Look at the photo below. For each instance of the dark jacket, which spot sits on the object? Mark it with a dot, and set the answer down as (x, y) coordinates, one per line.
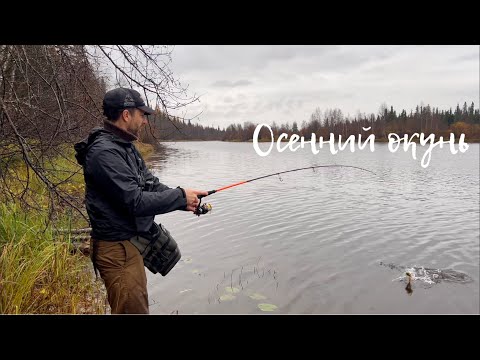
(122, 196)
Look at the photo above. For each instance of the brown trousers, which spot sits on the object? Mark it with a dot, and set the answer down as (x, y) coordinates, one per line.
(121, 268)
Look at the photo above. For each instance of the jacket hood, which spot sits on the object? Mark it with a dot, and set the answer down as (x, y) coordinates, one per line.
(117, 135)
(81, 148)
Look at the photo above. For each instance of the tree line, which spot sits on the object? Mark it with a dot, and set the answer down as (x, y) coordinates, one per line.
(423, 119)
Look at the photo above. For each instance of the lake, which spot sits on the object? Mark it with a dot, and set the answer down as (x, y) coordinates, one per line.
(330, 241)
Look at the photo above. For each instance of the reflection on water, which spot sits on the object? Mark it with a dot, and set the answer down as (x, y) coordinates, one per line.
(321, 235)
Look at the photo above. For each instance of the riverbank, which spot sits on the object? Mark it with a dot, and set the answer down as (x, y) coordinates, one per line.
(285, 140)
(377, 140)
(41, 269)
(40, 274)
(43, 264)
(145, 149)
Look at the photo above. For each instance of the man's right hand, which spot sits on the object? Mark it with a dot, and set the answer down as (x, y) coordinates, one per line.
(192, 198)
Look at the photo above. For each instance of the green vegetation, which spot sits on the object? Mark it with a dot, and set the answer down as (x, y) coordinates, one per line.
(39, 273)
(267, 307)
(145, 149)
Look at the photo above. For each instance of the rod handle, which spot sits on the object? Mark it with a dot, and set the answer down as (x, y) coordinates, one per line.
(209, 193)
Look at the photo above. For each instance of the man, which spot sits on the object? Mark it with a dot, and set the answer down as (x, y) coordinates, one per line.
(122, 198)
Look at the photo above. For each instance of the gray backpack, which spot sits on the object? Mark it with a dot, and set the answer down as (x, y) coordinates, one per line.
(159, 250)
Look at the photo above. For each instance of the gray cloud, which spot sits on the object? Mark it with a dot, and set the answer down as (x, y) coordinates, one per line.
(474, 56)
(286, 83)
(226, 83)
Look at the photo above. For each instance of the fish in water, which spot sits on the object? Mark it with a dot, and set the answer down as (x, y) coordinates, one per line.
(409, 284)
(430, 275)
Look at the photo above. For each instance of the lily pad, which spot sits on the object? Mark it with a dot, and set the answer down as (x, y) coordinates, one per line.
(232, 290)
(267, 307)
(257, 296)
(227, 297)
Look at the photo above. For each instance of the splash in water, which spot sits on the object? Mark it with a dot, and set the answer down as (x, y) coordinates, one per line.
(429, 276)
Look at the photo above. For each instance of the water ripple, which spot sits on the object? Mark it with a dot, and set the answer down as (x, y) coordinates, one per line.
(325, 232)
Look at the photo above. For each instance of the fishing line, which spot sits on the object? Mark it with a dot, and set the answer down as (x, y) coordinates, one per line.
(205, 208)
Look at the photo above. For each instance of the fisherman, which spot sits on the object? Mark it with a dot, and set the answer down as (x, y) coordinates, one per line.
(122, 199)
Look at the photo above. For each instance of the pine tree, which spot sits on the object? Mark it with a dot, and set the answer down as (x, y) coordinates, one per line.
(295, 127)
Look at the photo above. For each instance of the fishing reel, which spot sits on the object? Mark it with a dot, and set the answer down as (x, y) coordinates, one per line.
(202, 208)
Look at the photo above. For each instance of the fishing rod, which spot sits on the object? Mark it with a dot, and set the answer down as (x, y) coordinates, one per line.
(205, 208)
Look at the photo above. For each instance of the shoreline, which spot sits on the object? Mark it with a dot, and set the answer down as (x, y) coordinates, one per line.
(379, 140)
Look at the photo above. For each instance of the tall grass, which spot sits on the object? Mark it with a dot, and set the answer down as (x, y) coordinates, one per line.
(145, 149)
(39, 274)
(39, 271)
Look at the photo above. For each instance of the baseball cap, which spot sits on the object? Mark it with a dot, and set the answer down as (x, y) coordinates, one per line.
(122, 98)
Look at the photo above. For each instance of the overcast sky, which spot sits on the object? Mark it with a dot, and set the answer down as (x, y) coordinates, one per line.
(260, 83)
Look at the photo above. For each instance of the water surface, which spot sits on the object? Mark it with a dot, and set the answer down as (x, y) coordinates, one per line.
(319, 242)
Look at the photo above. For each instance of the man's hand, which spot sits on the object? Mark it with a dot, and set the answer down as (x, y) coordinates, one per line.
(192, 199)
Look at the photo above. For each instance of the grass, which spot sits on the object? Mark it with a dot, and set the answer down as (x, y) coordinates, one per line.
(39, 271)
(39, 274)
(145, 149)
